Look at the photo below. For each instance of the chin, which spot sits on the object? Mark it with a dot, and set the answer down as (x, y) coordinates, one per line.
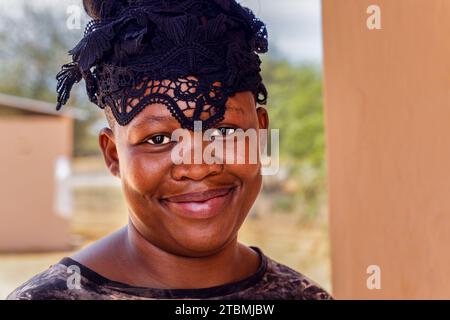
(204, 243)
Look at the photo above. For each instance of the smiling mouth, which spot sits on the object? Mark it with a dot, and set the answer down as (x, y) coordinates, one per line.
(200, 205)
(199, 196)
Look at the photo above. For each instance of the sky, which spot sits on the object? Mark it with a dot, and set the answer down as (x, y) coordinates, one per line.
(294, 26)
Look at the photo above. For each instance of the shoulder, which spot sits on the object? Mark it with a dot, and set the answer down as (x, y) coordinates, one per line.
(71, 278)
(286, 283)
(49, 284)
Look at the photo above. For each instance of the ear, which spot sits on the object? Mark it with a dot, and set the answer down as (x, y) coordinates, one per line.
(263, 118)
(263, 122)
(108, 146)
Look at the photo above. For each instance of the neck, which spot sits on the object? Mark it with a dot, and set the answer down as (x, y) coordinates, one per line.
(151, 266)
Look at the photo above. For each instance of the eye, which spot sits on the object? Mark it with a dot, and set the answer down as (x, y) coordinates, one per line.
(159, 139)
(222, 132)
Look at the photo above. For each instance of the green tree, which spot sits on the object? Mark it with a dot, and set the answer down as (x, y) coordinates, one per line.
(296, 108)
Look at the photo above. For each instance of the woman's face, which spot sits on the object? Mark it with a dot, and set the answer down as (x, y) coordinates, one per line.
(165, 199)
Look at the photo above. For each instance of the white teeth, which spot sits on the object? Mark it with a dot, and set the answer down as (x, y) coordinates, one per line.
(199, 205)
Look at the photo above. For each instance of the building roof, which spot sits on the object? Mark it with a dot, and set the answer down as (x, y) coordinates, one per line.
(37, 106)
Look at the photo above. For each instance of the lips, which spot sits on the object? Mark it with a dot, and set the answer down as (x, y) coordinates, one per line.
(200, 205)
(199, 196)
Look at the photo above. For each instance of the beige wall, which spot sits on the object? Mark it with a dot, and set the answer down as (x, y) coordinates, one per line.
(28, 148)
(387, 95)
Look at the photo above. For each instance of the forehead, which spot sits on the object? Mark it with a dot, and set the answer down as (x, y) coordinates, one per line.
(240, 108)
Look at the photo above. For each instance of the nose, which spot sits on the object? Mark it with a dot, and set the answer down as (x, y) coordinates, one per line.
(197, 170)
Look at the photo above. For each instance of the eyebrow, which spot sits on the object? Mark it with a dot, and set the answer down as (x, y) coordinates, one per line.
(151, 119)
(233, 107)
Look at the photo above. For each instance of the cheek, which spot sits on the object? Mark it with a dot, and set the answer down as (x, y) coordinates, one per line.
(250, 177)
(144, 173)
(246, 172)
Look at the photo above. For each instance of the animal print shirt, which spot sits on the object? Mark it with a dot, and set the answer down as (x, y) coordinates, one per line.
(271, 281)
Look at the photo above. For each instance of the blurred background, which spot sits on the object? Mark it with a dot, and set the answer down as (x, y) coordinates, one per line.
(55, 193)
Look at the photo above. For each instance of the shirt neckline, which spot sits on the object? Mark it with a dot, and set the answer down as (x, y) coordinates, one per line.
(200, 293)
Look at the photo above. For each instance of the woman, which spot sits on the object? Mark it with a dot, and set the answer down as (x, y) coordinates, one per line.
(157, 66)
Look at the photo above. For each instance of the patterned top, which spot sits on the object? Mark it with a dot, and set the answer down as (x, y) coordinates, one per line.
(271, 281)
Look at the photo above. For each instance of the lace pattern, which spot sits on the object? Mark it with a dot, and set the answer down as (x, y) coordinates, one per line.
(190, 55)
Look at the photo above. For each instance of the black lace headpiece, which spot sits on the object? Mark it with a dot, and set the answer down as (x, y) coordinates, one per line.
(190, 55)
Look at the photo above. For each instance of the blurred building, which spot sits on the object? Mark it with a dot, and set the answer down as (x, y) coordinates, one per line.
(35, 198)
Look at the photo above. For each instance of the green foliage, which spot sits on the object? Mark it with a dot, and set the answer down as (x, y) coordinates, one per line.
(295, 108)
